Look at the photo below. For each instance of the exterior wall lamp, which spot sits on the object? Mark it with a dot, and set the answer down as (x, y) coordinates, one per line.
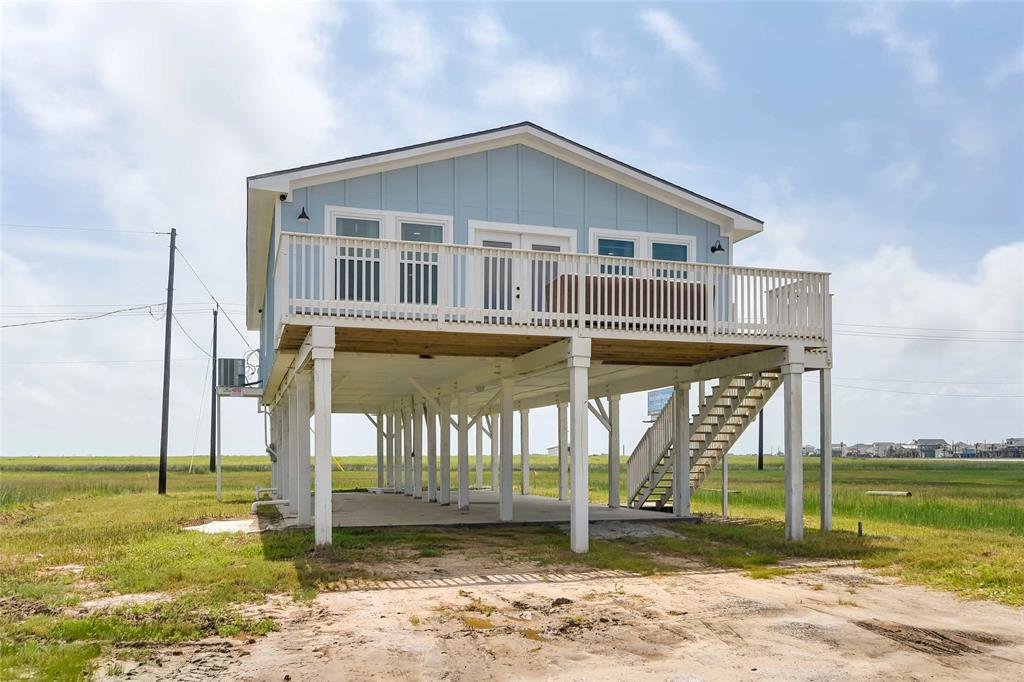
(717, 248)
(303, 216)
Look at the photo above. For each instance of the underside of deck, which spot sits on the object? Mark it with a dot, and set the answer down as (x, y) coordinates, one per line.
(375, 367)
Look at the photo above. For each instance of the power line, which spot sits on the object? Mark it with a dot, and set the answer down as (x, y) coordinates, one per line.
(91, 362)
(913, 337)
(105, 305)
(933, 381)
(21, 226)
(73, 319)
(237, 330)
(183, 331)
(934, 395)
(931, 329)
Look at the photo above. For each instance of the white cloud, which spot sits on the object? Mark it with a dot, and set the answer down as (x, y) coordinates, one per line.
(417, 52)
(879, 20)
(973, 140)
(602, 45)
(675, 38)
(904, 176)
(1010, 68)
(486, 33)
(533, 85)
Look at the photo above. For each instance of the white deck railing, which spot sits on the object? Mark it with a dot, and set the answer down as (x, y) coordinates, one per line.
(455, 286)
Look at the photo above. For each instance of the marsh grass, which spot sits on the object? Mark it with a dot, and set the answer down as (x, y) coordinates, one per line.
(962, 530)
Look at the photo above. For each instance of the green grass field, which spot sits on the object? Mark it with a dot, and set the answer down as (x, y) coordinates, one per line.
(78, 528)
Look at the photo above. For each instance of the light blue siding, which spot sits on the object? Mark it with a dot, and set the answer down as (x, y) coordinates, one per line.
(513, 184)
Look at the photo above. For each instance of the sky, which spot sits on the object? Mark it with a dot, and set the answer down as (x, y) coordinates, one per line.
(883, 143)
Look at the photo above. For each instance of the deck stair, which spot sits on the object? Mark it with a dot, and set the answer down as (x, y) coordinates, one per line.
(724, 413)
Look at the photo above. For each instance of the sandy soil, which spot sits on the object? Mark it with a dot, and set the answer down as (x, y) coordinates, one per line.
(448, 618)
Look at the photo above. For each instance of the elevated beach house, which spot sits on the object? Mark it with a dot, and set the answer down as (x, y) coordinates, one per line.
(458, 281)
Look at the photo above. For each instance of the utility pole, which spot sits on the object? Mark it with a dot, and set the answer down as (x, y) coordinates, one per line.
(165, 411)
(214, 416)
(760, 441)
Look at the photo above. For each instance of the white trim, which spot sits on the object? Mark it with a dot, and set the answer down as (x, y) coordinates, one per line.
(516, 228)
(389, 220)
(643, 241)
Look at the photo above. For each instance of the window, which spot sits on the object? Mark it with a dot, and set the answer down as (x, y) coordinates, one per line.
(357, 227)
(422, 232)
(668, 251)
(623, 248)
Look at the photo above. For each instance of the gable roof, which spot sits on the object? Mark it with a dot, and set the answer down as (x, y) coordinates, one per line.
(265, 188)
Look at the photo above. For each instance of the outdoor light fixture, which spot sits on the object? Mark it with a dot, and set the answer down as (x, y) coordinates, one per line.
(304, 218)
(717, 248)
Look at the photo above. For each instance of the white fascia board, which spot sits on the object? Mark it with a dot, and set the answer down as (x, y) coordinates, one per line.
(259, 217)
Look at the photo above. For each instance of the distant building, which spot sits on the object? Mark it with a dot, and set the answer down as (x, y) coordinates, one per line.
(839, 450)
(931, 447)
(811, 451)
(862, 450)
(883, 448)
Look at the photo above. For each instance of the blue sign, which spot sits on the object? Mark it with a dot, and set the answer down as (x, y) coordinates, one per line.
(656, 400)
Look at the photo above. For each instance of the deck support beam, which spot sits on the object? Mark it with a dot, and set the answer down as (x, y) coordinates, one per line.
(506, 451)
(524, 449)
(563, 451)
(444, 422)
(681, 451)
(285, 457)
(300, 423)
(495, 429)
(792, 386)
(431, 417)
(826, 448)
(725, 484)
(380, 449)
(323, 357)
(480, 453)
(578, 363)
(417, 449)
(400, 441)
(613, 451)
(407, 451)
(463, 456)
(389, 458)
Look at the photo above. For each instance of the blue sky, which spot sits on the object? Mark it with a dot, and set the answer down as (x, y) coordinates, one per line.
(881, 142)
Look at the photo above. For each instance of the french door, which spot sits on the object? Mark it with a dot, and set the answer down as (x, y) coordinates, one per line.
(513, 286)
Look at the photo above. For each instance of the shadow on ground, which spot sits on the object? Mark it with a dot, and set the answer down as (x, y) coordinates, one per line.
(360, 557)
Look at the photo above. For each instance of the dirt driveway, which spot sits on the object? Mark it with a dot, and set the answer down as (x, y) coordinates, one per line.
(445, 621)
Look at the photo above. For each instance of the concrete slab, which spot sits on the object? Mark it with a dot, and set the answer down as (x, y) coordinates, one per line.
(355, 510)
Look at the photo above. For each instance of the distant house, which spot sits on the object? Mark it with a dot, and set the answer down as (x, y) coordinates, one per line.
(810, 451)
(931, 447)
(883, 449)
(862, 450)
(839, 450)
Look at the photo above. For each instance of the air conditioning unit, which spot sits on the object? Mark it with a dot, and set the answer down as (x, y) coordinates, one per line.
(231, 372)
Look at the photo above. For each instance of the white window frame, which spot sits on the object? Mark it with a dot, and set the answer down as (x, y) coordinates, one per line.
(389, 221)
(517, 228)
(643, 241)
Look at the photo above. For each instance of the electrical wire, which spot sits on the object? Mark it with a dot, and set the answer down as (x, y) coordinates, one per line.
(933, 381)
(199, 418)
(930, 329)
(90, 362)
(934, 395)
(227, 316)
(21, 226)
(75, 319)
(195, 343)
